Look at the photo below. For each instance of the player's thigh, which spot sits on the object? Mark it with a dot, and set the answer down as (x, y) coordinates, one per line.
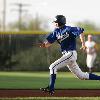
(61, 62)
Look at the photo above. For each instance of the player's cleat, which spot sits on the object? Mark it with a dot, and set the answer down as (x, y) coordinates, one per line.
(51, 92)
(45, 89)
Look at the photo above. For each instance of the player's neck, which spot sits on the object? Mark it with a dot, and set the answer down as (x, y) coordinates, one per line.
(61, 26)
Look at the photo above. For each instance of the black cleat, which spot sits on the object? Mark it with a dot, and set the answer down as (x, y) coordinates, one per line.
(45, 89)
(51, 92)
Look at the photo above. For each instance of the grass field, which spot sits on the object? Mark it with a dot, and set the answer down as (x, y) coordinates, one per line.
(35, 80)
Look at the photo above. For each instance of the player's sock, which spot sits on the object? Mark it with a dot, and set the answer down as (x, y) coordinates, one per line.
(52, 81)
(93, 77)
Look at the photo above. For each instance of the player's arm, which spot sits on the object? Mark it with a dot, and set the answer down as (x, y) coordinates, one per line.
(51, 38)
(96, 47)
(45, 44)
(82, 38)
(77, 31)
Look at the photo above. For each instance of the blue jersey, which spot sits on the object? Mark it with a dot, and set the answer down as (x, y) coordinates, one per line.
(65, 36)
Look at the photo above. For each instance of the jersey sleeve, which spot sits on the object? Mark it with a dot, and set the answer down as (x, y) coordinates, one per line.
(51, 38)
(76, 31)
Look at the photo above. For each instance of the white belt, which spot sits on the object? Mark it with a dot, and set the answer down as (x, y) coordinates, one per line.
(64, 52)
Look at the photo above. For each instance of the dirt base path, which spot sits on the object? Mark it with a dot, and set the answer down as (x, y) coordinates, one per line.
(58, 93)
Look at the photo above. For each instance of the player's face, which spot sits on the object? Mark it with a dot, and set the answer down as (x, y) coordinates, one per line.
(90, 38)
(56, 24)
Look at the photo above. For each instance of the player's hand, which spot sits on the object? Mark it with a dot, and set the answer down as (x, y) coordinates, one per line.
(39, 44)
(83, 47)
(45, 44)
(42, 45)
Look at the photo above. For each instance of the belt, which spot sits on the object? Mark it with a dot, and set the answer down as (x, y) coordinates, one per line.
(64, 52)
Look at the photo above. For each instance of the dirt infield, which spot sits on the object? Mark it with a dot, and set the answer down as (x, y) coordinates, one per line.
(58, 93)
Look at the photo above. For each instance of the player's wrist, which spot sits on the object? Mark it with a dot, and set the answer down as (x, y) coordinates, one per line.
(83, 43)
(42, 45)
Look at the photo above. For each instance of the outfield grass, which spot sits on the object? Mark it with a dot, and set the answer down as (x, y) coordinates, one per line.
(35, 80)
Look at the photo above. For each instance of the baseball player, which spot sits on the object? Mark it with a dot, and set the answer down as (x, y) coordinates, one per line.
(66, 37)
(91, 49)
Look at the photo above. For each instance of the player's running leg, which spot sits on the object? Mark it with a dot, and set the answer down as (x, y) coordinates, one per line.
(54, 67)
(50, 87)
(74, 68)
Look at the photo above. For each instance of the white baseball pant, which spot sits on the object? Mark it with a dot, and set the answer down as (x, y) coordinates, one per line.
(90, 60)
(68, 59)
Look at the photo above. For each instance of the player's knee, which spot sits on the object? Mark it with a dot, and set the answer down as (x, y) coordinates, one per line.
(51, 66)
(53, 69)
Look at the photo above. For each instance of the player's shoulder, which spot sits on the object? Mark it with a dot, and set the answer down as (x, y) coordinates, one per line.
(77, 28)
(67, 26)
(57, 30)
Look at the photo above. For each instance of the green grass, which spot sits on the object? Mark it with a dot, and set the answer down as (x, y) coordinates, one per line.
(35, 80)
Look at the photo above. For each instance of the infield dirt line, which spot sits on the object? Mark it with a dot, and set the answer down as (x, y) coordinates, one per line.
(58, 93)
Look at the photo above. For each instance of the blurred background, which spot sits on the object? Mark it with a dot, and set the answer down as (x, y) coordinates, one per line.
(25, 23)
